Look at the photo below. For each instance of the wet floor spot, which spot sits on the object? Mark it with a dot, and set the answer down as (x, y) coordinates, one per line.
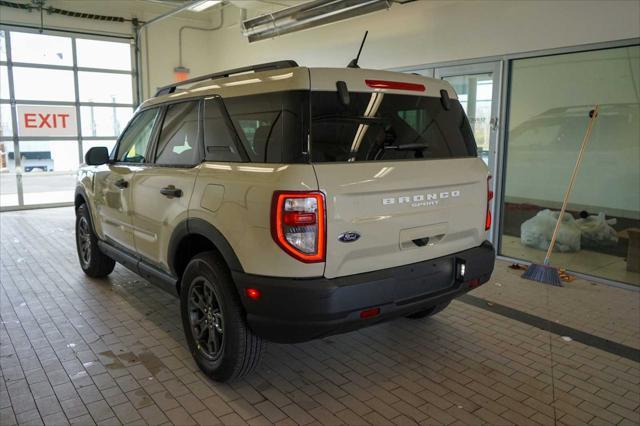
(110, 360)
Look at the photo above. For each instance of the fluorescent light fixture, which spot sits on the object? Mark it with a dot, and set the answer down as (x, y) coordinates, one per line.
(306, 15)
(199, 6)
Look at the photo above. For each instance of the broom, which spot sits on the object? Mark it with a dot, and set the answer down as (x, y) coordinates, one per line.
(546, 273)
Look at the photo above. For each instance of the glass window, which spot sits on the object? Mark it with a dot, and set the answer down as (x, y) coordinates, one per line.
(41, 49)
(6, 128)
(219, 138)
(43, 84)
(178, 143)
(550, 100)
(3, 47)
(48, 170)
(475, 92)
(104, 121)
(105, 87)
(103, 54)
(379, 126)
(4, 83)
(135, 140)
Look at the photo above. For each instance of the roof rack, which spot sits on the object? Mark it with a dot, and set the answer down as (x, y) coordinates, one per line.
(255, 68)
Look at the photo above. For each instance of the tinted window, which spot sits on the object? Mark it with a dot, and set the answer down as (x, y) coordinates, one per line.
(271, 126)
(135, 140)
(219, 136)
(380, 126)
(178, 143)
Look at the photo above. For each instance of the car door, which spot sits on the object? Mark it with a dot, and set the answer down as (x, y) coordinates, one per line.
(113, 181)
(161, 190)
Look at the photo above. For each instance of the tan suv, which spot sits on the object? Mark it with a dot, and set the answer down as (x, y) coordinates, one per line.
(288, 203)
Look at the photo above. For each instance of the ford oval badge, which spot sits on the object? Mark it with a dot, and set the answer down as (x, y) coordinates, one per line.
(348, 237)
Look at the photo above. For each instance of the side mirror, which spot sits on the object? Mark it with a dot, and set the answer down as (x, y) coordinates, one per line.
(96, 156)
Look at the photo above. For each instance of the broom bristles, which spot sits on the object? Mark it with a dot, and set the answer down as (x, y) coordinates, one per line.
(542, 273)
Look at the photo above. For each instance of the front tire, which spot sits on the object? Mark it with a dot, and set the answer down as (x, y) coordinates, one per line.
(430, 311)
(214, 322)
(92, 261)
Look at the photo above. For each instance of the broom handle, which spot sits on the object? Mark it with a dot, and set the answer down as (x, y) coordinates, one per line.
(593, 115)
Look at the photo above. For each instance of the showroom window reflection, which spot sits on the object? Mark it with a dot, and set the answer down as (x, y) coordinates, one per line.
(45, 171)
(549, 103)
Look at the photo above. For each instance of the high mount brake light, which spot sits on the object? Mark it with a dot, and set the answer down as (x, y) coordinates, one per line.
(298, 224)
(487, 221)
(396, 85)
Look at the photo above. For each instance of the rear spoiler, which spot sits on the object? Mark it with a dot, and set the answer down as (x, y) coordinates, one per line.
(165, 90)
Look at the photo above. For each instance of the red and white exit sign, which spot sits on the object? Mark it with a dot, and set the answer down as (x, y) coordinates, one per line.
(35, 120)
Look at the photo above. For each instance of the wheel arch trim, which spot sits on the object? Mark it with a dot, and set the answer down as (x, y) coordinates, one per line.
(196, 226)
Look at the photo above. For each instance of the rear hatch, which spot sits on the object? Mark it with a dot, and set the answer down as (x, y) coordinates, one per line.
(401, 177)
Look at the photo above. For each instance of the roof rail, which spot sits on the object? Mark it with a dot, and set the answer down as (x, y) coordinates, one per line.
(170, 88)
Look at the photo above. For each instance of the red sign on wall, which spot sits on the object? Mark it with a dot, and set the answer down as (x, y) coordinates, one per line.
(35, 120)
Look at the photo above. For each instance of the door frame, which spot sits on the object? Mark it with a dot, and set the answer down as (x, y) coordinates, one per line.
(496, 69)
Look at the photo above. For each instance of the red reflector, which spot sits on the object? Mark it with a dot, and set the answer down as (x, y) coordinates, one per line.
(474, 283)
(397, 85)
(299, 218)
(368, 313)
(487, 220)
(252, 293)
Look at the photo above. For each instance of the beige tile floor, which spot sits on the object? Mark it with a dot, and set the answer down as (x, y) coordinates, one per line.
(585, 261)
(84, 351)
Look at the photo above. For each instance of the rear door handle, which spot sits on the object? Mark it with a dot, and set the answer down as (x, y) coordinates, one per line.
(171, 192)
(121, 183)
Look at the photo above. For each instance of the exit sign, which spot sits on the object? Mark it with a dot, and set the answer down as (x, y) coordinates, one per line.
(36, 120)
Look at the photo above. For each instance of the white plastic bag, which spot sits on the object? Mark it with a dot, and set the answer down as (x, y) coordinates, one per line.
(597, 231)
(537, 231)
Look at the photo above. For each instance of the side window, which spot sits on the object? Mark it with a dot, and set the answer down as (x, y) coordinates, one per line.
(219, 140)
(178, 143)
(135, 140)
(257, 120)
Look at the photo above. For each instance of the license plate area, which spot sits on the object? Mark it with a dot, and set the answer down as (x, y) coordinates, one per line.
(424, 279)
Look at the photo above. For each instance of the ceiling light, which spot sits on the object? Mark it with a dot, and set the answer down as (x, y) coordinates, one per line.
(199, 6)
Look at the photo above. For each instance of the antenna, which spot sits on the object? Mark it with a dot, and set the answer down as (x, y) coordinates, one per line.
(354, 62)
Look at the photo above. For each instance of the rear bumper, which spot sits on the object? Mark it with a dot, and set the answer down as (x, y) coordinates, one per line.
(296, 310)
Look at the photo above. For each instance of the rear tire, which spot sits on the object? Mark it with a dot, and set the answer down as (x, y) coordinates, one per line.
(429, 312)
(214, 322)
(92, 261)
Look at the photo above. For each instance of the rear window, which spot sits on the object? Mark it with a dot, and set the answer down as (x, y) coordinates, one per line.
(381, 126)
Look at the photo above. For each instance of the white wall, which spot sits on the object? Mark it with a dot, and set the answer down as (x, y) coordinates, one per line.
(438, 31)
(411, 34)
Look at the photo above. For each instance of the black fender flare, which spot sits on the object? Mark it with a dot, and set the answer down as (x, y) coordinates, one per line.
(82, 193)
(201, 227)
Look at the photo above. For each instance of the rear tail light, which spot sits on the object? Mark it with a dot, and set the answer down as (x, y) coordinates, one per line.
(487, 221)
(298, 224)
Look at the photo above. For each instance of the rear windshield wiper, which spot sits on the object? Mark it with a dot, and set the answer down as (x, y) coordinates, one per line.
(407, 147)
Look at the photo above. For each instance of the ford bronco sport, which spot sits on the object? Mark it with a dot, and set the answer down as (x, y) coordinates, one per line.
(287, 203)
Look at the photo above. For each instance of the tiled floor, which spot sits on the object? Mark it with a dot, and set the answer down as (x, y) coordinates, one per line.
(585, 261)
(112, 351)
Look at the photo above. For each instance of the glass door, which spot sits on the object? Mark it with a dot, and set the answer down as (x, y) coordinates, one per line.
(478, 89)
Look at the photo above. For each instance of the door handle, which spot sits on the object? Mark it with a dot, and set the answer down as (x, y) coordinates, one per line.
(121, 183)
(171, 192)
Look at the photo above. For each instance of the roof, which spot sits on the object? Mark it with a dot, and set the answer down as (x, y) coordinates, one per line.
(229, 84)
